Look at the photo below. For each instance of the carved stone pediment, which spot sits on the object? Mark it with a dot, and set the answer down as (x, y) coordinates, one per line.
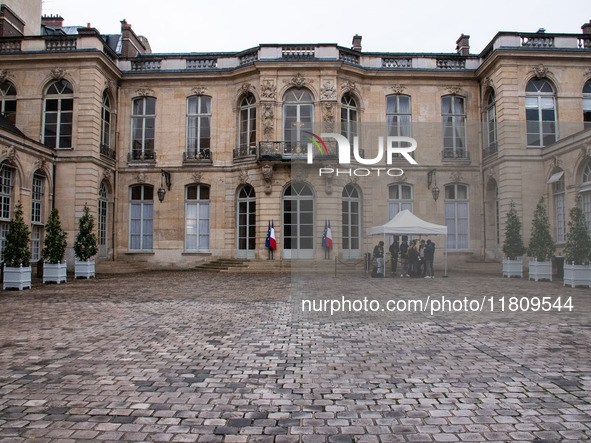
(328, 90)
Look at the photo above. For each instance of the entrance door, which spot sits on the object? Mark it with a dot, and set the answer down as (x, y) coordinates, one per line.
(298, 221)
(246, 222)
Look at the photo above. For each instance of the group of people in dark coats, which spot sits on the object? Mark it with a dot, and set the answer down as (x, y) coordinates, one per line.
(415, 258)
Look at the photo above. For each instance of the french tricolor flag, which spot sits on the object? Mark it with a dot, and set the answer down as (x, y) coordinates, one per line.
(327, 236)
(272, 240)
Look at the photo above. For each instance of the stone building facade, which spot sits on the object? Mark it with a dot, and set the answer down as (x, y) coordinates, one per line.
(189, 157)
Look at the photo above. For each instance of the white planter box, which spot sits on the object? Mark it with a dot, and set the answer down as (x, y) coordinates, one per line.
(84, 269)
(512, 268)
(540, 270)
(54, 272)
(19, 278)
(577, 275)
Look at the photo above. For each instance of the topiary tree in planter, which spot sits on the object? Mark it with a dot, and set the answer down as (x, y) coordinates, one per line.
(578, 244)
(54, 249)
(85, 245)
(513, 246)
(16, 253)
(541, 244)
(577, 249)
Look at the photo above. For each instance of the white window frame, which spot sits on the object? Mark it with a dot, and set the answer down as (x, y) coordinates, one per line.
(61, 127)
(142, 121)
(146, 243)
(395, 205)
(537, 100)
(197, 228)
(453, 217)
(247, 125)
(349, 117)
(457, 127)
(196, 124)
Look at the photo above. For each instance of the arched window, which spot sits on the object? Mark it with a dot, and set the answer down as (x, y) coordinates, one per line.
(399, 198)
(247, 126)
(141, 217)
(453, 118)
(298, 221)
(198, 127)
(105, 124)
(559, 194)
(246, 223)
(586, 194)
(197, 218)
(349, 117)
(37, 193)
(587, 104)
(457, 216)
(59, 106)
(7, 174)
(491, 123)
(103, 217)
(143, 121)
(540, 113)
(8, 101)
(298, 118)
(351, 221)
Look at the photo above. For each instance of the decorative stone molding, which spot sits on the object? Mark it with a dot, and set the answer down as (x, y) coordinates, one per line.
(487, 83)
(349, 86)
(57, 73)
(10, 153)
(352, 180)
(400, 179)
(268, 90)
(540, 71)
(107, 174)
(40, 164)
(110, 86)
(299, 174)
(329, 178)
(267, 171)
(398, 89)
(3, 75)
(328, 90)
(199, 90)
(243, 176)
(144, 91)
(297, 81)
(268, 120)
(454, 90)
(456, 177)
(556, 162)
(141, 178)
(246, 88)
(328, 116)
(197, 177)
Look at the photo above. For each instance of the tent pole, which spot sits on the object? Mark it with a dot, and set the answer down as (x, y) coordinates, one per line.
(384, 255)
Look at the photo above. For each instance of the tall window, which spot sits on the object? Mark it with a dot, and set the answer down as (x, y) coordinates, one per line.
(59, 106)
(246, 222)
(456, 217)
(6, 188)
(248, 125)
(298, 118)
(453, 118)
(587, 104)
(8, 101)
(349, 118)
(36, 216)
(298, 221)
(143, 120)
(491, 122)
(199, 127)
(105, 123)
(141, 217)
(540, 113)
(586, 194)
(197, 218)
(399, 198)
(558, 190)
(351, 221)
(103, 216)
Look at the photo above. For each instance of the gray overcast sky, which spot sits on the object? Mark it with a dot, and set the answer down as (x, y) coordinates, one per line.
(386, 26)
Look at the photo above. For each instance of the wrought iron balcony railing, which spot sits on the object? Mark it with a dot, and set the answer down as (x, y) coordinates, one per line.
(197, 155)
(141, 156)
(289, 150)
(107, 151)
(455, 154)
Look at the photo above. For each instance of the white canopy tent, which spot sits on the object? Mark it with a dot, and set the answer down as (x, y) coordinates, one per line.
(406, 223)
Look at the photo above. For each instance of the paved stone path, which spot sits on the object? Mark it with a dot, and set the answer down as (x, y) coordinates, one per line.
(184, 357)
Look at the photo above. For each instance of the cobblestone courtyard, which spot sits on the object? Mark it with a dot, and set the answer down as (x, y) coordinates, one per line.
(185, 356)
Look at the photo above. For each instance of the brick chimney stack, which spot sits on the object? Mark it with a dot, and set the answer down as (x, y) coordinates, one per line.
(586, 28)
(53, 21)
(463, 45)
(356, 42)
(131, 44)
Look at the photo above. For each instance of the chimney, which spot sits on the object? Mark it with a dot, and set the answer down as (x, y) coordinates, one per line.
(586, 28)
(131, 44)
(53, 21)
(356, 43)
(587, 33)
(463, 45)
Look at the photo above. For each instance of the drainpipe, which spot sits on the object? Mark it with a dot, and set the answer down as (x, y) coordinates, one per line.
(53, 186)
(116, 182)
(481, 169)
